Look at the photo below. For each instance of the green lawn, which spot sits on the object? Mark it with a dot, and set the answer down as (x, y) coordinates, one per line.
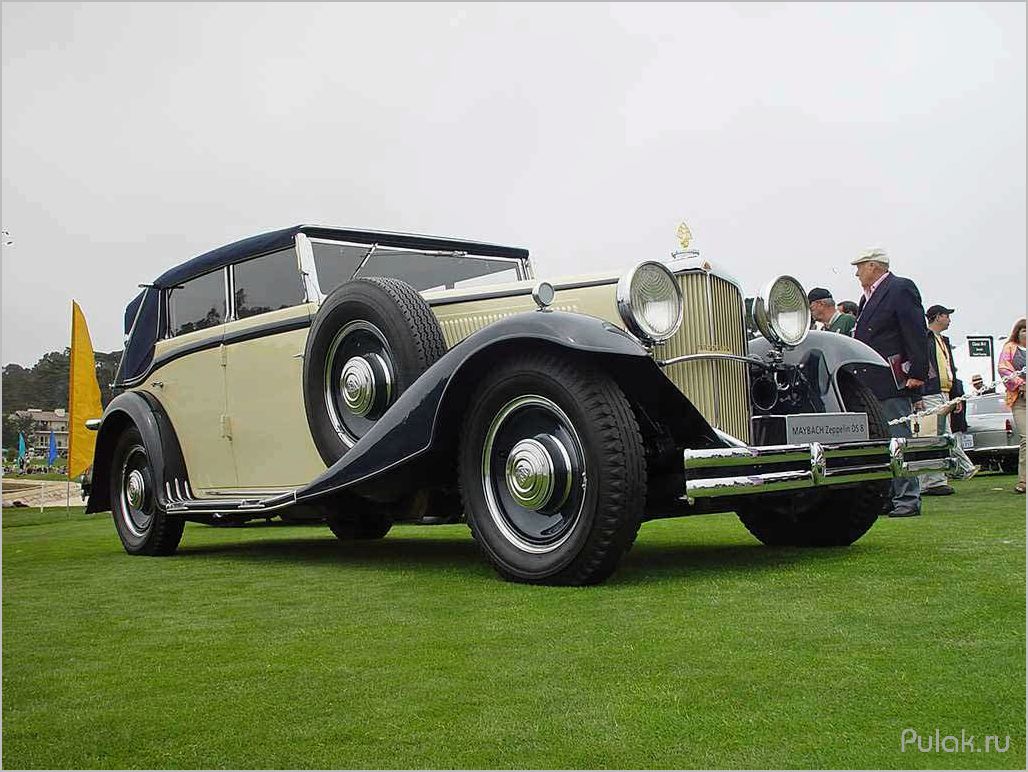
(280, 647)
(52, 476)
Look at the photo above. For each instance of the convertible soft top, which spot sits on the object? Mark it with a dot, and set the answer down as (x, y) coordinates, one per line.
(276, 240)
(144, 314)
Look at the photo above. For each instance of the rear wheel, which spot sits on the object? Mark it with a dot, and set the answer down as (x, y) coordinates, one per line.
(826, 518)
(552, 471)
(364, 527)
(143, 527)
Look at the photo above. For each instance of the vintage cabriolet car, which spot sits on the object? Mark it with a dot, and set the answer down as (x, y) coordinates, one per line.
(359, 378)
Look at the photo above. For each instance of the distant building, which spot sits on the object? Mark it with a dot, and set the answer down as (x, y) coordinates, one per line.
(46, 421)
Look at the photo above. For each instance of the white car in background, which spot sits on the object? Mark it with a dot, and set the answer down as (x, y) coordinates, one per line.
(992, 438)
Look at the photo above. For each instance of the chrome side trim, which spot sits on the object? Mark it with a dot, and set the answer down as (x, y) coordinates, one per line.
(879, 460)
(230, 295)
(244, 493)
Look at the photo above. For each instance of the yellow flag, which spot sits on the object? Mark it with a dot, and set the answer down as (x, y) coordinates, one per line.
(83, 396)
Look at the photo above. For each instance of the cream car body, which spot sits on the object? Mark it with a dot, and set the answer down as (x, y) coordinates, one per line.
(225, 424)
(269, 377)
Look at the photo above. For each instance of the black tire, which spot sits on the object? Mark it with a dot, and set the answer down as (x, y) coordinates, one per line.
(143, 527)
(389, 320)
(363, 527)
(1008, 464)
(829, 518)
(579, 533)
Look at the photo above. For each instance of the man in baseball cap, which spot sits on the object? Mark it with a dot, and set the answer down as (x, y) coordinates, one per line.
(934, 312)
(941, 386)
(822, 309)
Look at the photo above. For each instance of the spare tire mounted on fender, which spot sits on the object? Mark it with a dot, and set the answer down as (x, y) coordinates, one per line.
(371, 339)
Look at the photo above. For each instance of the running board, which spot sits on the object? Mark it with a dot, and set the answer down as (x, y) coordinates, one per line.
(179, 499)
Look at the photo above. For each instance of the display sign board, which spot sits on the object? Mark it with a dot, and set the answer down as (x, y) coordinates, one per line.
(826, 427)
(979, 347)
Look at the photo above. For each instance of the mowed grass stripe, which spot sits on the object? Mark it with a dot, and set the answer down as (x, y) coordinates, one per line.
(279, 646)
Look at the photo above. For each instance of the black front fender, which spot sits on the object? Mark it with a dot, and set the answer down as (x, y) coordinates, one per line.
(825, 353)
(431, 408)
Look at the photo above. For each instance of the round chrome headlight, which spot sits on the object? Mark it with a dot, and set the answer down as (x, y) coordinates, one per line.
(782, 313)
(650, 302)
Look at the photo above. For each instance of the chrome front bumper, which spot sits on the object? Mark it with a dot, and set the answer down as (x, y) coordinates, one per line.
(747, 470)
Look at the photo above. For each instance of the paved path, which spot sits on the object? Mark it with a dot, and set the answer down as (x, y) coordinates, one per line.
(54, 493)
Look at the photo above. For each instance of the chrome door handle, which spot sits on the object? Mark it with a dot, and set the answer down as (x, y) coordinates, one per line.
(158, 384)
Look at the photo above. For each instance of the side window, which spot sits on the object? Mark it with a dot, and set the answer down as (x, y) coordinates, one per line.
(267, 284)
(198, 304)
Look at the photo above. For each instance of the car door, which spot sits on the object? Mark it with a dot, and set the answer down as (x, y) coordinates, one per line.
(264, 342)
(189, 379)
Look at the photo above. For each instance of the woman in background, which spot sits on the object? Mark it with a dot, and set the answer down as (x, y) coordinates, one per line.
(1011, 370)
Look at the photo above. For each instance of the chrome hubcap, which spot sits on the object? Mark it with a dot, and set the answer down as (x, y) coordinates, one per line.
(136, 506)
(358, 380)
(135, 489)
(357, 384)
(530, 474)
(533, 474)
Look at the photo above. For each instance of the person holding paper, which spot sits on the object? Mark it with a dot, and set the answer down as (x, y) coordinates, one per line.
(891, 321)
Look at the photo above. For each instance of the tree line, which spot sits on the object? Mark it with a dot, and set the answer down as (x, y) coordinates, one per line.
(45, 386)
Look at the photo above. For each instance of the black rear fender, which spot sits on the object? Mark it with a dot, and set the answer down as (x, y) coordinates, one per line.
(139, 409)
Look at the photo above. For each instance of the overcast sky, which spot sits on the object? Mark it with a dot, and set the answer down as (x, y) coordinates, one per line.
(789, 137)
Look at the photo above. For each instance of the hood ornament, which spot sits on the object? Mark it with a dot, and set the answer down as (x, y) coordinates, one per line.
(684, 235)
(685, 239)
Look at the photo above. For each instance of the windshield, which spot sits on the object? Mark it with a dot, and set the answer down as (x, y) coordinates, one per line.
(338, 263)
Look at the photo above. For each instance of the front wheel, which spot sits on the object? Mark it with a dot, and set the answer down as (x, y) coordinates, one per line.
(143, 527)
(824, 518)
(552, 471)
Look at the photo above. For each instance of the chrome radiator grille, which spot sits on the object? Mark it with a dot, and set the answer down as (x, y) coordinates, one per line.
(712, 324)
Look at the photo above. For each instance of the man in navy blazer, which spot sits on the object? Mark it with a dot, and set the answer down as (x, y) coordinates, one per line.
(892, 322)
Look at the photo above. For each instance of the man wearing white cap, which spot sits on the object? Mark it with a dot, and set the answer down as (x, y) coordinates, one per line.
(892, 322)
